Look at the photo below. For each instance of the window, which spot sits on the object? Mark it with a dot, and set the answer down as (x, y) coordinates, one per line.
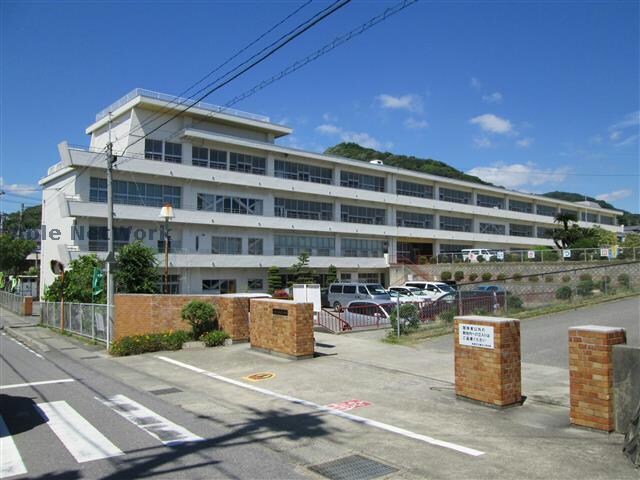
(544, 232)
(218, 159)
(455, 224)
(255, 284)
(518, 230)
(218, 286)
(366, 215)
(356, 247)
(369, 277)
(589, 217)
(173, 245)
(173, 283)
(224, 204)
(302, 172)
(607, 220)
(226, 245)
(489, 201)
(172, 152)
(493, 228)
(290, 208)
(546, 210)
(569, 212)
(132, 193)
(453, 248)
(255, 246)
(295, 245)
(240, 162)
(410, 189)
(152, 149)
(414, 220)
(361, 181)
(99, 239)
(200, 156)
(455, 196)
(518, 206)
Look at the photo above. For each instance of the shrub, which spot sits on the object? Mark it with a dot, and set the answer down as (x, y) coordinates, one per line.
(444, 258)
(566, 278)
(605, 284)
(458, 275)
(564, 293)
(534, 278)
(214, 338)
(153, 342)
(480, 258)
(445, 276)
(447, 316)
(433, 260)
(584, 288)
(202, 317)
(410, 319)
(517, 277)
(501, 276)
(624, 280)
(514, 303)
(486, 276)
(473, 276)
(549, 279)
(585, 277)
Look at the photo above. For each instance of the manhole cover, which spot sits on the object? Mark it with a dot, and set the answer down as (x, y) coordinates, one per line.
(256, 377)
(354, 467)
(165, 391)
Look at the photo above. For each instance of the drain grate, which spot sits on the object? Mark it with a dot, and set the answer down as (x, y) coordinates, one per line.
(354, 467)
(165, 391)
(91, 357)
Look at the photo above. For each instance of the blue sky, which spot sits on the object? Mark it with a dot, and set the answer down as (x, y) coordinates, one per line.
(535, 96)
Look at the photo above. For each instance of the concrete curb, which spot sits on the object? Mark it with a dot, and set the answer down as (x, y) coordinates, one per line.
(27, 339)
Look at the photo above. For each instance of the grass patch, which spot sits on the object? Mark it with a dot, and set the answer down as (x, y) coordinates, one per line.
(423, 332)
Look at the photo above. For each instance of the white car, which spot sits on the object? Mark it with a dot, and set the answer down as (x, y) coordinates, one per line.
(409, 294)
(433, 290)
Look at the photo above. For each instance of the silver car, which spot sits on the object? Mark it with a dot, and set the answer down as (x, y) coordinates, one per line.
(341, 294)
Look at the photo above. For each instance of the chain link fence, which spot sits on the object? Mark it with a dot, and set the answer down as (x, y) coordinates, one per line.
(11, 302)
(88, 320)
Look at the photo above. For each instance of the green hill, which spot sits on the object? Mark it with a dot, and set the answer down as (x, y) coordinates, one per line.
(627, 218)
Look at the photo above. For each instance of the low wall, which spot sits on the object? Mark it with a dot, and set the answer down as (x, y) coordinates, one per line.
(626, 385)
(283, 327)
(137, 314)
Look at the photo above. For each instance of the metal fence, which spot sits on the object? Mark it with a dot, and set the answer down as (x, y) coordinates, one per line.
(88, 320)
(11, 302)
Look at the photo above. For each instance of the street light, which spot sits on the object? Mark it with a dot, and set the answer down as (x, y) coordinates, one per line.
(166, 213)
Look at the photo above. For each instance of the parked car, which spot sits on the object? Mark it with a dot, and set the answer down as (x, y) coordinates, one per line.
(472, 254)
(404, 298)
(341, 294)
(433, 290)
(362, 313)
(324, 298)
(409, 294)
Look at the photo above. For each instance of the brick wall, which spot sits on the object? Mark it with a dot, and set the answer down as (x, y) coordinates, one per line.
(282, 326)
(140, 314)
(489, 375)
(591, 375)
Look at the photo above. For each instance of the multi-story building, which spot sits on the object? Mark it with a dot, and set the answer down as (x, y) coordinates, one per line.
(243, 203)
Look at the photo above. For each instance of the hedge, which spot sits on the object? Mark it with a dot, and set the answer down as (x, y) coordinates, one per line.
(152, 342)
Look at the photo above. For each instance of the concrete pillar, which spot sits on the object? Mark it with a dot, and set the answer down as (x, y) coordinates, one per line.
(487, 360)
(591, 375)
(27, 306)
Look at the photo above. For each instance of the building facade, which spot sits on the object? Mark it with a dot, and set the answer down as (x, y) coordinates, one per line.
(243, 203)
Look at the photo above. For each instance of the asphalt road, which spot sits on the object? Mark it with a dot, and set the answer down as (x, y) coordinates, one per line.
(91, 426)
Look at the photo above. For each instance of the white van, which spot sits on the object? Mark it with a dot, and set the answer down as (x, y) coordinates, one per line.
(472, 254)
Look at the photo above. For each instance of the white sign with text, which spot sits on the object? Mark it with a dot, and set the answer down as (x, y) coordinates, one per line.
(475, 335)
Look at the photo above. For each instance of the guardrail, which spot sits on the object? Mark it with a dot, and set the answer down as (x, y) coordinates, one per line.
(88, 320)
(16, 303)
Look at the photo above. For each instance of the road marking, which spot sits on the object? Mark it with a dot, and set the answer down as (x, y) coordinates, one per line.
(349, 405)
(155, 425)
(332, 411)
(24, 346)
(33, 384)
(84, 442)
(10, 460)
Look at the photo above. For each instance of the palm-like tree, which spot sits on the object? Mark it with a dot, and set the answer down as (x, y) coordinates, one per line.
(569, 232)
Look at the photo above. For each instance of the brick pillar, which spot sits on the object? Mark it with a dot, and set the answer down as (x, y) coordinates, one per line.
(591, 375)
(487, 360)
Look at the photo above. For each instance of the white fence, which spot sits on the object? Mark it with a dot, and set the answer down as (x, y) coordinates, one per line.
(11, 302)
(85, 319)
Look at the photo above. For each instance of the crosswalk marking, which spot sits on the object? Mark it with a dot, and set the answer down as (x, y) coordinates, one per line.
(10, 459)
(84, 442)
(155, 425)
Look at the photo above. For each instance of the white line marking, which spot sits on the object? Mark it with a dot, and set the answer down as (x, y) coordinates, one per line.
(45, 382)
(155, 425)
(10, 460)
(322, 408)
(81, 438)
(25, 347)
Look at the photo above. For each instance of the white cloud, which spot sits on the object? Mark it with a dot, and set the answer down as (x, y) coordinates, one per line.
(492, 123)
(327, 117)
(415, 124)
(495, 97)
(615, 135)
(410, 102)
(482, 141)
(630, 120)
(518, 174)
(20, 189)
(615, 195)
(475, 83)
(524, 142)
(627, 141)
(328, 129)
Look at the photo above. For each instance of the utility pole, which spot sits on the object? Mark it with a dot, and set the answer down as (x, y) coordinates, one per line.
(20, 222)
(111, 159)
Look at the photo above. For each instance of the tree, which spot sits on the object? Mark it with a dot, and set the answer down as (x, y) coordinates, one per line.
(77, 282)
(301, 270)
(631, 240)
(570, 232)
(136, 269)
(13, 253)
(274, 280)
(332, 275)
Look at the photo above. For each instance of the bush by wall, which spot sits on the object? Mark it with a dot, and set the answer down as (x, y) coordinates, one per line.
(585, 288)
(153, 342)
(517, 277)
(446, 276)
(584, 277)
(458, 275)
(624, 280)
(486, 276)
(514, 303)
(501, 276)
(473, 276)
(549, 279)
(202, 317)
(214, 338)
(534, 278)
(410, 319)
(566, 278)
(564, 293)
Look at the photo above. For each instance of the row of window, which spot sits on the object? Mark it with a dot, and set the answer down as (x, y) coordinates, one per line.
(135, 193)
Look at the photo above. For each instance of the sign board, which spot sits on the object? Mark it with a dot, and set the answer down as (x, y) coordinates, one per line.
(604, 252)
(475, 335)
(566, 253)
(531, 254)
(308, 294)
(500, 255)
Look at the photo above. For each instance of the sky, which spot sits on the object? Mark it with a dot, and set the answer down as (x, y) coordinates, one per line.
(533, 96)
